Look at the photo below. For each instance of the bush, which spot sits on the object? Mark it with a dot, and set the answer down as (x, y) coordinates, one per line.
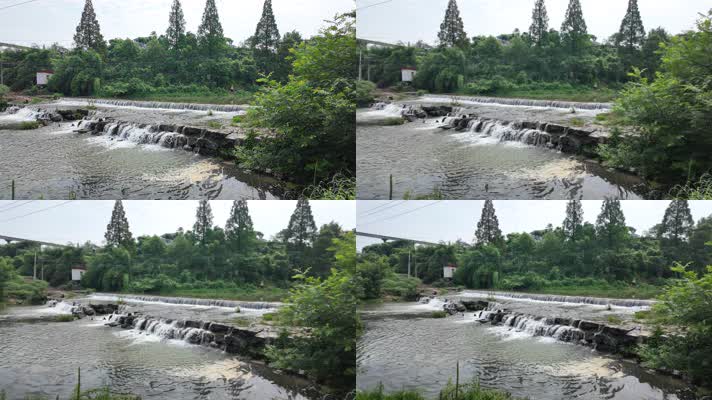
(364, 93)
(438, 314)
(401, 286)
(29, 125)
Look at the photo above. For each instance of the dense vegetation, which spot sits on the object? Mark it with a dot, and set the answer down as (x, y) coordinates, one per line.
(208, 261)
(452, 391)
(666, 117)
(16, 289)
(543, 62)
(303, 88)
(607, 258)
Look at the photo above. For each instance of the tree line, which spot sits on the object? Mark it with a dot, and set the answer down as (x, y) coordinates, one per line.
(206, 257)
(176, 61)
(575, 254)
(541, 58)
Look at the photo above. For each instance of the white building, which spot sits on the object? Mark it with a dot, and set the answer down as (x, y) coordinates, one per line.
(408, 74)
(43, 77)
(77, 273)
(449, 271)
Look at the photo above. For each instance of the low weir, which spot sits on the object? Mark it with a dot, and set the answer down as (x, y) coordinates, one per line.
(519, 102)
(231, 108)
(600, 301)
(187, 301)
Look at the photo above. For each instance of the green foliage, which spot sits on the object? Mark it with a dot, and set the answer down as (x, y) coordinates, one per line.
(64, 318)
(452, 31)
(438, 314)
(669, 117)
(686, 305)
(488, 231)
(452, 391)
(29, 125)
(339, 188)
(364, 93)
(117, 232)
(18, 289)
(78, 74)
(327, 308)
(88, 34)
(400, 286)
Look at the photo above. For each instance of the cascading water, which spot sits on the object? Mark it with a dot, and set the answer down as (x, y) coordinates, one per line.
(479, 129)
(228, 108)
(137, 133)
(188, 301)
(516, 102)
(600, 301)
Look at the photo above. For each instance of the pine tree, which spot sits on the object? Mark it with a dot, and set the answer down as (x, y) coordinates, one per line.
(176, 24)
(210, 31)
(574, 28)
(88, 34)
(632, 33)
(267, 34)
(452, 30)
(239, 229)
(540, 23)
(488, 231)
(300, 233)
(610, 223)
(117, 232)
(203, 222)
(677, 223)
(574, 219)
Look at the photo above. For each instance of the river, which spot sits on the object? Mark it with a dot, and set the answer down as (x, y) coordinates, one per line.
(494, 161)
(41, 357)
(403, 349)
(134, 162)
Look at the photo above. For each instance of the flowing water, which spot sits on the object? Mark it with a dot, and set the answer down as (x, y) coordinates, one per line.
(526, 357)
(42, 357)
(128, 160)
(490, 159)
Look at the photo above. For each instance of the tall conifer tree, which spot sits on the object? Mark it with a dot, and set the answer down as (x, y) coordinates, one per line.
(677, 223)
(610, 224)
(176, 24)
(573, 29)
(452, 30)
(540, 23)
(117, 232)
(488, 231)
(88, 34)
(210, 31)
(239, 228)
(300, 233)
(203, 221)
(574, 219)
(632, 33)
(267, 35)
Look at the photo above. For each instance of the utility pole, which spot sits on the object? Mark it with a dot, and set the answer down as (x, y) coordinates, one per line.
(34, 269)
(408, 263)
(360, 63)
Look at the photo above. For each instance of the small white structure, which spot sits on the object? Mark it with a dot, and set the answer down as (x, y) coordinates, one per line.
(77, 273)
(43, 77)
(408, 74)
(449, 271)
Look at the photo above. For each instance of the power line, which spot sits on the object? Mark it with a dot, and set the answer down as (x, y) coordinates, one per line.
(18, 4)
(402, 214)
(386, 205)
(373, 5)
(13, 205)
(37, 212)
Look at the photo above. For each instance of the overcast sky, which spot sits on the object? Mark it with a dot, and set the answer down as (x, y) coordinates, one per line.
(49, 21)
(81, 221)
(435, 221)
(413, 20)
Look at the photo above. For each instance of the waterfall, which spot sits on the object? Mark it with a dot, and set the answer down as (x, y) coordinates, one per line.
(517, 102)
(136, 133)
(172, 330)
(261, 306)
(61, 307)
(501, 132)
(228, 108)
(599, 301)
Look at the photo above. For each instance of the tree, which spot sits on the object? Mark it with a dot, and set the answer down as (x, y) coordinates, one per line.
(574, 219)
(267, 34)
(203, 222)
(677, 223)
(632, 32)
(176, 25)
(210, 31)
(452, 30)
(117, 232)
(488, 231)
(540, 23)
(239, 229)
(301, 232)
(88, 34)
(573, 29)
(610, 224)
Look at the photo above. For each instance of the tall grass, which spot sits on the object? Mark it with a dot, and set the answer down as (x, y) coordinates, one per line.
(700, 190)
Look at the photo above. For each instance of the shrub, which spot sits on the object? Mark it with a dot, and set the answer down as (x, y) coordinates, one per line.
(29, 125)
(364, 93)
(438, 314)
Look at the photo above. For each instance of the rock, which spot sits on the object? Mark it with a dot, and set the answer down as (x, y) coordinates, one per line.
(474, 305)
(218, 328)
(193, 324)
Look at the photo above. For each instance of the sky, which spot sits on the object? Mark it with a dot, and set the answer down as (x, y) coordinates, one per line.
(448, 221)
(63, 222)
(48, 21)
(413, 20)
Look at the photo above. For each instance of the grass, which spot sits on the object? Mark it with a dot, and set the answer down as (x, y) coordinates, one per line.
(214, 125)
(64, 318)
(241, 321)
(264, 294)
(237, 120)
(699, 190)
(613, 319)
(577, 122)
(340, 187)
(438, 314)
(472, 391)
(29, 125)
